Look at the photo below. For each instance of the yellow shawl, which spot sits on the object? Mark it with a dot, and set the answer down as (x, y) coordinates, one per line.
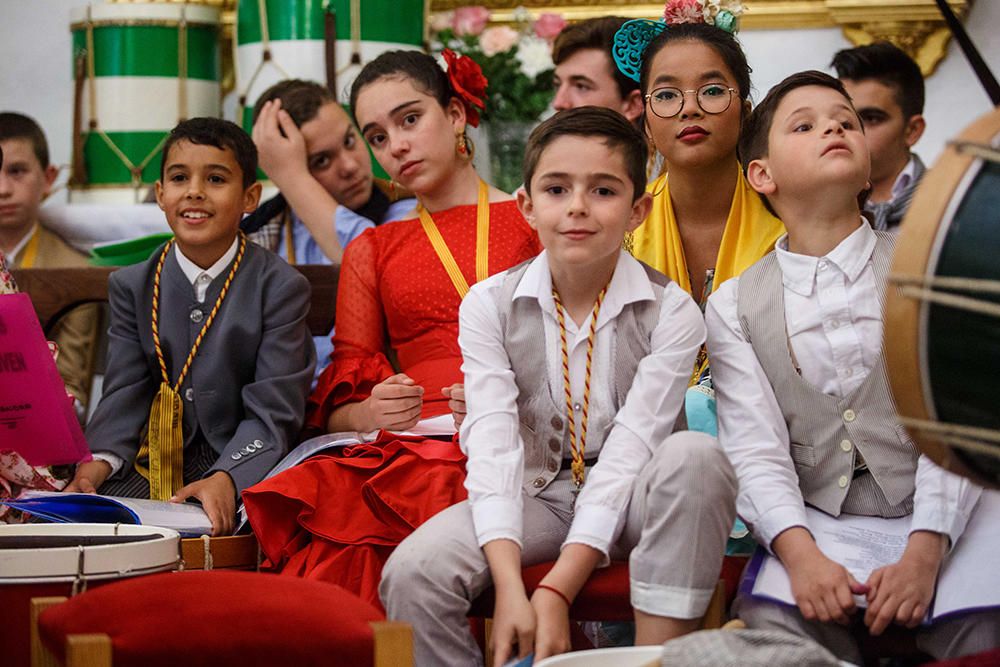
(749, 235)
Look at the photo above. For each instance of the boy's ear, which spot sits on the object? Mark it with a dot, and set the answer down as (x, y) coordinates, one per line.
(915, 127)
(526, 207)
(632, 105)
(51, 174)
(759, 177)
(158, 189)
(640, 209)
(251, 197)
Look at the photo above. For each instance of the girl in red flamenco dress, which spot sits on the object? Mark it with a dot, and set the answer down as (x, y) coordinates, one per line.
(337, 516)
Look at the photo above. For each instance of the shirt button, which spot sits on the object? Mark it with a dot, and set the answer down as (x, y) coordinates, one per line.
(555, 445)
(576, 407)
(258, 443)
(847, 372)
(821, 266)
(197, 316)
(189, 394)
(552, 466)
(538, 483)
(557, 423)
(849, 416)
(236, 456)
(842, 482)
(834, 324)
(846, 445)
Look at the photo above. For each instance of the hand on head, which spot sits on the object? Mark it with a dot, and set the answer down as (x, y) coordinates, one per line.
(280, 145)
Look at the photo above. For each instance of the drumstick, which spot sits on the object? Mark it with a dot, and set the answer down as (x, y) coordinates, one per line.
(979, 65)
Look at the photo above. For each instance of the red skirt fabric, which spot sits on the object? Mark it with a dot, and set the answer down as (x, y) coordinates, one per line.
(336, 518)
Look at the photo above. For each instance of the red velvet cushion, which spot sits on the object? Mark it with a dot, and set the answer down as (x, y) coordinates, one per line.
(213, 618)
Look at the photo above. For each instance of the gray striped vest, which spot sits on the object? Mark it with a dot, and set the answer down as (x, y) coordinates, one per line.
(828, 433)
(542, 416)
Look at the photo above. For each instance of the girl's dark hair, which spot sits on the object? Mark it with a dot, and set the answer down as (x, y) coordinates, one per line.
(722, 42)
(420, 68)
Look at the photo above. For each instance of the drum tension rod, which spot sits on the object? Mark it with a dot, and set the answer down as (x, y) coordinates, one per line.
(981, 151)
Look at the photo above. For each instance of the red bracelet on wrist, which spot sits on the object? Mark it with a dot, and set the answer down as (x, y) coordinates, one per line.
(557, 592)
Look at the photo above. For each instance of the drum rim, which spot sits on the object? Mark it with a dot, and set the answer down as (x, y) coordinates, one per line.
(121, 14)
(917, 250)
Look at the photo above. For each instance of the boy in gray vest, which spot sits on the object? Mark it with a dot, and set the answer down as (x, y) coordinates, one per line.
(805, 412)
(575, 364)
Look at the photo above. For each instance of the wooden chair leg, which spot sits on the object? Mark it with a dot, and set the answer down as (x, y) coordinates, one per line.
(715, 615)
(40, 655)
(393, 644)
(91, 650)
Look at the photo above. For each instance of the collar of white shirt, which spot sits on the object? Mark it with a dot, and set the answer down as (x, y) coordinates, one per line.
(905, 177)
(192, 271)
(11, 256)
(798, 272)
(629, 284)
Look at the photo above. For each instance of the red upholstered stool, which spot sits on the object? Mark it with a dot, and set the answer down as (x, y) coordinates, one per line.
(218, 618)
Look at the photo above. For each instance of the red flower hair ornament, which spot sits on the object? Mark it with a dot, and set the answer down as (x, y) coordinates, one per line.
(467, 80)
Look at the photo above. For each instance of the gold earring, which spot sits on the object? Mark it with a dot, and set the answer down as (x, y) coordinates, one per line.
(464, 146)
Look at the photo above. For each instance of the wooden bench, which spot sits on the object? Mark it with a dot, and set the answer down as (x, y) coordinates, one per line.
(54, 292)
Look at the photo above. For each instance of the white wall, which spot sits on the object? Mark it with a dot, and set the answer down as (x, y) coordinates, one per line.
(35, 68)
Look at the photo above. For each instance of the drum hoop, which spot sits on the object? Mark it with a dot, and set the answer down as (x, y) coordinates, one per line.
(917, 249)
(133, 23)
(92, 576)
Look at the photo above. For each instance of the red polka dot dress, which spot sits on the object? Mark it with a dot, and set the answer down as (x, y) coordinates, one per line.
(337, 517)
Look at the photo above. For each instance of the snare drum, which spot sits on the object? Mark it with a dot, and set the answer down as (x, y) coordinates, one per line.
(942, 319)
(41, 560)
(139, 69)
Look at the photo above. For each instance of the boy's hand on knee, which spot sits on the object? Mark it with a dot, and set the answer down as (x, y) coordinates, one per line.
(514, 623)
(88, 477)
(217, 494)
(552, 635)
(902, 592)
(456, 402)
(394, 404)
(823, 589)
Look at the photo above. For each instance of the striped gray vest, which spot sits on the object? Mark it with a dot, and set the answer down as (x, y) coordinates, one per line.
(827, 433)
(542, 416)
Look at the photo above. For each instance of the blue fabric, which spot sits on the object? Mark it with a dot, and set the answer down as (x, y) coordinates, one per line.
(350, 225)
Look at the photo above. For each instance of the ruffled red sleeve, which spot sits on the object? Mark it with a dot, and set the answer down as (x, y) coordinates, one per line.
(358, 362)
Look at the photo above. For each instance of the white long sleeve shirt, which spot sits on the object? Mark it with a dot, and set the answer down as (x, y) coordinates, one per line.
(833, 318)
(490, 433)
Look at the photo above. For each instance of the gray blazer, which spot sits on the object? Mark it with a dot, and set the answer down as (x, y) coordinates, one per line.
(246, 391)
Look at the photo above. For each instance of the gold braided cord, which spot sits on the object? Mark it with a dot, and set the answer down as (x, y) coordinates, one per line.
(482, 242)
(578, 449)
(164, 446)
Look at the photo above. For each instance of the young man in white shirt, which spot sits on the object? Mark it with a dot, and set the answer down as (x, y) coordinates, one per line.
(805, 413)
(887, 89)
(575, 364)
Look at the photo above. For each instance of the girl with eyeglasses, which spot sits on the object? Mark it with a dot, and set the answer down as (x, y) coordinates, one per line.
(706, 224)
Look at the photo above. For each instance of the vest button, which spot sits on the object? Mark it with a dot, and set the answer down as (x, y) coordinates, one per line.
(557, 423)
(849, 416)
(538, 483)
(845, 445)
(552, 466)
(842, 482)
(197, 316)
(189, 394)
(555, 445)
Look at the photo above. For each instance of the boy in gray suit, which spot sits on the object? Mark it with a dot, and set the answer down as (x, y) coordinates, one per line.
(805, 412)
(209, 360)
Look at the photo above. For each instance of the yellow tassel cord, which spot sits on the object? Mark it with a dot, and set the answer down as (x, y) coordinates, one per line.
(164, 446)
(482, 242)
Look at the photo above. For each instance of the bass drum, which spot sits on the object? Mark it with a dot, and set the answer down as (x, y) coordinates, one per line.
(44, 560)
(942, 319)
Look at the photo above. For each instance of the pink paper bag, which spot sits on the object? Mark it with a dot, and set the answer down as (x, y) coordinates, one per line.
(37, 419)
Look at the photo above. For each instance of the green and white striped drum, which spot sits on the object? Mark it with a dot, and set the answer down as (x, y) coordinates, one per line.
(139, 69)
(942, 311)
(286, 39)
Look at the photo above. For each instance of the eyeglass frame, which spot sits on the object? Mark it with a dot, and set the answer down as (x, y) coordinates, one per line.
(647, 97)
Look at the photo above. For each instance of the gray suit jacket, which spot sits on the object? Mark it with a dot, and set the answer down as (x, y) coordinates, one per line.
(246, 391)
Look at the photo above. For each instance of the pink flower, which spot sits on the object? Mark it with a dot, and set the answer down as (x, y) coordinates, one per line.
(683, 11)
(470, 20)
(549, 25)
(441, 21)
(498, 39)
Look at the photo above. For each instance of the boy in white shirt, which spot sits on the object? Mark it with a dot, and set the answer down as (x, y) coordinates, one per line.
(575, 368)
(805, 412)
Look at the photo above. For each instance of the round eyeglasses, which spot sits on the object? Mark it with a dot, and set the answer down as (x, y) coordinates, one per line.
(668, 102)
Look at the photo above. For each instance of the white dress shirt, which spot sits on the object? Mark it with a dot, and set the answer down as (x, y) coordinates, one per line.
(490, 433)
(834, 323)
(200, 279)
